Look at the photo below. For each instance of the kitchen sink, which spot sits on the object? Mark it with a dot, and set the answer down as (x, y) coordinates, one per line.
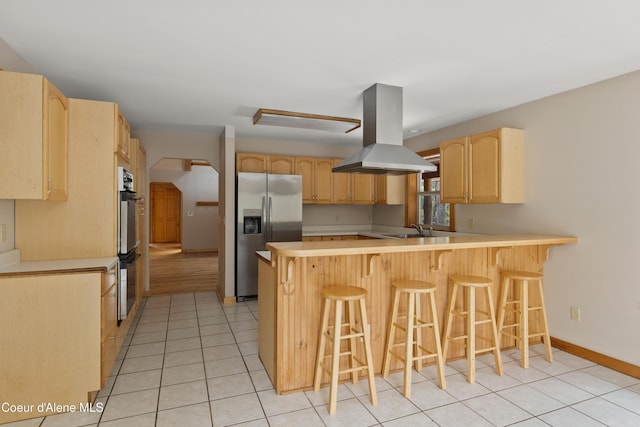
(402, 236)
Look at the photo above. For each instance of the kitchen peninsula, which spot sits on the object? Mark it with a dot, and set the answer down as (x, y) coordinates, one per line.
(291, 275)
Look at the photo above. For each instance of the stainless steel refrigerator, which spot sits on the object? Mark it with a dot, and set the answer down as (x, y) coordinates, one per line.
(268, 209)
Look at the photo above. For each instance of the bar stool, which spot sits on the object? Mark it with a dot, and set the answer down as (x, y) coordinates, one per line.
(340, 295)
(521, 308)
(412, 346)
(469, 312)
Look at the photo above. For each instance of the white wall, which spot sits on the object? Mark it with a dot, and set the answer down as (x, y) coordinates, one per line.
(199, 223)
(227, 253)
(582, 177)
(290, 148)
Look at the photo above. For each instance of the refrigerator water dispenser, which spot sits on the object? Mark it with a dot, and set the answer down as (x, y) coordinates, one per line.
(252, 220)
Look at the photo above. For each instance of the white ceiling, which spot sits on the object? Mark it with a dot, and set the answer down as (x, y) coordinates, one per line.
(197, 65)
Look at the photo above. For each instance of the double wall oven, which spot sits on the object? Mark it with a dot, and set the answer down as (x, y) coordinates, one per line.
(127, 244)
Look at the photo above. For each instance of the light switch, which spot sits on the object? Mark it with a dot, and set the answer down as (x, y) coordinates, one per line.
(3, 232)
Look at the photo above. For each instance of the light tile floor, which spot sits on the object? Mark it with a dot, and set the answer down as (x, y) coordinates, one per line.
(190, 361)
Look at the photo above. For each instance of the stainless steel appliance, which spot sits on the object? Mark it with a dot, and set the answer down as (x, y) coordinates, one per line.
(383, 152)
(268, 209)
(127, 244)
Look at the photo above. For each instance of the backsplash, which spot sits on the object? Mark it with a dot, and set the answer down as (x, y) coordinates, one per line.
(337, 215)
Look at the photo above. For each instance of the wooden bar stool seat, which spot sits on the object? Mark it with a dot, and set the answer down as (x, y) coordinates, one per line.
(338, 295)
(411, 350)
(519, 306)
(469, 313)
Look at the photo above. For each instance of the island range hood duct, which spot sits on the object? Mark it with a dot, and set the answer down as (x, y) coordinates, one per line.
(383, 152)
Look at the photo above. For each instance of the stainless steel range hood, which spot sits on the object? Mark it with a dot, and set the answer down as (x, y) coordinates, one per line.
(383, 152)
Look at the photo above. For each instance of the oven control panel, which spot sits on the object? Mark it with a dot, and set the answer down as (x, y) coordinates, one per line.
(125, 180)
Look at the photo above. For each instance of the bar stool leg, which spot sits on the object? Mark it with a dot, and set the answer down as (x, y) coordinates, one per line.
(504, 294)
(471, 335)
(352, 342)
(436, 337)
(391, 331)
(545, 325)
(326, 307)
(520, 306)
(524, 323)
(335, 360)
(447, 329)
(367, 350)
(494, 333)
(418, 337)
(408, 354)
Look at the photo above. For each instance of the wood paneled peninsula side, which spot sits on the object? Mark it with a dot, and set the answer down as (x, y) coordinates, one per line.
(290, 280)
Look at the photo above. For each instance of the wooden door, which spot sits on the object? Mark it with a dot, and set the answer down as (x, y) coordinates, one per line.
(323, 180)
(166, 212)
(57, 109)
(453, 171)
(251, 162)
(304, 167)
(362, 189)
(341, 186)
(484, 152)
(280, 164)
(123, 131)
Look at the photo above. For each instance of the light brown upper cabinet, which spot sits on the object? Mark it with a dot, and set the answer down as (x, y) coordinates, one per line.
(265, 163)
(284, 165)
(251, 162)
(342, 184)
(93, 196)
(363, 189)
(321, 186)
(483, 168)
(34, 138)
(123, 138)
(389, 190)
(317, 179)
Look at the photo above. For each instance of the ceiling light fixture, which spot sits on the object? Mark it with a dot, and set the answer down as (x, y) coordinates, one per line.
(304, 121)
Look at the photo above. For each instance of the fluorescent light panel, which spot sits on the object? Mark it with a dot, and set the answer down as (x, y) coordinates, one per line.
(304, 121)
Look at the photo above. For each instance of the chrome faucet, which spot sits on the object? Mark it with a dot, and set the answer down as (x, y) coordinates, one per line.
(422, 231)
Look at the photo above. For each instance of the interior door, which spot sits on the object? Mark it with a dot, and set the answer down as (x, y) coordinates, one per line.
(166, 213)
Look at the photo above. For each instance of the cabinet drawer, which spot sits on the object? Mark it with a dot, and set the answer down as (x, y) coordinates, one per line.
(109, 322)
(109, 279)
(109, 351)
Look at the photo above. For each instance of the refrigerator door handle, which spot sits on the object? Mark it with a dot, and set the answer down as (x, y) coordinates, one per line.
(265, 221)
(270, 219)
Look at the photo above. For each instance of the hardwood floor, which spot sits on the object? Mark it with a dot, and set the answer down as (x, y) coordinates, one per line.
(173, 271)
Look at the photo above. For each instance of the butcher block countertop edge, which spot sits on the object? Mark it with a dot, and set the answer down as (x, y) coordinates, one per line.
(63, 266)
(380, 246)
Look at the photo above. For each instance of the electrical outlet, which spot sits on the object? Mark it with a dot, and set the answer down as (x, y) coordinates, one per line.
(471, 222)
(575, 313)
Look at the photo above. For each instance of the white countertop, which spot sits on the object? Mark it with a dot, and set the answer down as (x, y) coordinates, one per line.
(265, 255)
(54, 266)
(379, 232)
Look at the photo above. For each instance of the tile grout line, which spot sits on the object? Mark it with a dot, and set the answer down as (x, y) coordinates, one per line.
(227, 314)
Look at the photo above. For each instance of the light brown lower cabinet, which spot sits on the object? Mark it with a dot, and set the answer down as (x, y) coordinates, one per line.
(267, 317)
(111, 338)
(330, 237)
(59, 340)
